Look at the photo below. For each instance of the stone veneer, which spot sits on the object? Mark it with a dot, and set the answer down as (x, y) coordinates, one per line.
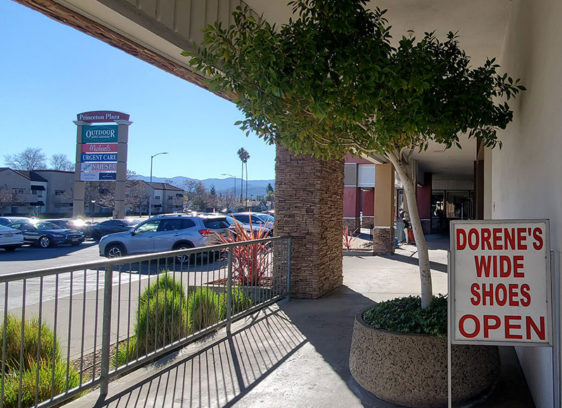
(309, 208)
(352, 223)
(383, 240)
(367, 221)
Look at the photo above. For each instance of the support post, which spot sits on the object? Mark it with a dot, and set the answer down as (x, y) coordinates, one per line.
(106, 329)
(229, 292)
(383, 232)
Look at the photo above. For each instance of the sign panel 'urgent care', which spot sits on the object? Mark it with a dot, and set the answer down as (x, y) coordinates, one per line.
(500, 282)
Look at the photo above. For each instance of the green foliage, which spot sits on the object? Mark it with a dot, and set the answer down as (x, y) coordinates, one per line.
(161, 319)
(164, 282)
(404, 315)
(46, 383)
(240, 301)
(205, 308)
(330, 82)
(32, 342)
(165, 315)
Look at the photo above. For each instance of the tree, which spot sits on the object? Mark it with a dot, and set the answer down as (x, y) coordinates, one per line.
(138, 193)
(330, 82)
(6, 198)
(60, 162)
(244, 156)
(269, 193)
(197, 195)
(30, 159)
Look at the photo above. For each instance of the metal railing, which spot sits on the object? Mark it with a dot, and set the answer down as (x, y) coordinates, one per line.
(65, 330)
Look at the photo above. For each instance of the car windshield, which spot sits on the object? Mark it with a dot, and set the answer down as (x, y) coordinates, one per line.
(243, 218)
(265, 218)
(216, 223)
(47, 226)
(149, 226)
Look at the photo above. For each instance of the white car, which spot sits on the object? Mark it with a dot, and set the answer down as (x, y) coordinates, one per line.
(10, 238)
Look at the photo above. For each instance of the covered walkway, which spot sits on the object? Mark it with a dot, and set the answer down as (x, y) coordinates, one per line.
(295, 354)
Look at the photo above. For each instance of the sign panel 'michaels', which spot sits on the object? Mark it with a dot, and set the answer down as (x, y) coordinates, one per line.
(500, 282)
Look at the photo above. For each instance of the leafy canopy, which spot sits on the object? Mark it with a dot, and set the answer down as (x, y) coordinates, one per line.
(330, 82)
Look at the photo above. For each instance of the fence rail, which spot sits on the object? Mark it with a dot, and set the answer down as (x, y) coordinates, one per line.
(65, 330)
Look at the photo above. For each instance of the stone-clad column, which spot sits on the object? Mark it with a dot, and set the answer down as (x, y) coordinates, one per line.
(309, 208)
(383, 232)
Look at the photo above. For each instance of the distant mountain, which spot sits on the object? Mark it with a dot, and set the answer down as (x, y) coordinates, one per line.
(226, 185)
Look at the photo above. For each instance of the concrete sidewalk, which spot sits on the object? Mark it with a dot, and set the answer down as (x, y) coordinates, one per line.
(294, 354)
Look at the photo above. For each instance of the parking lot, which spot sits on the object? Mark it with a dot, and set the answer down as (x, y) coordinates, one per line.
(30, 258)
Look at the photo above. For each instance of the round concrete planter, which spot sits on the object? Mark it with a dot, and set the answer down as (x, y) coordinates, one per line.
(411, 369)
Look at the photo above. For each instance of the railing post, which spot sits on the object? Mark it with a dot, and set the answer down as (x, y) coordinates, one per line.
(289, 268)
(229, 292)
(106, 329)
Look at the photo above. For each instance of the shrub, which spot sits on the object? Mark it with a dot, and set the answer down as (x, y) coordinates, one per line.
(240, 301)
(205, 308)
(30, 343)
(48, 347)
(161, 319)
(405, 315)
(249, 262)
(348, 238)
(47, 383)
(164, 281)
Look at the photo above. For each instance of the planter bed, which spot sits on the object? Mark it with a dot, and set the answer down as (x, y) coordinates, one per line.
(411, 369)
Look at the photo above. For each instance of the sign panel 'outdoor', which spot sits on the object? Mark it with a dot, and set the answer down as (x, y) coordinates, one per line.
(100, 134)
(500, 280)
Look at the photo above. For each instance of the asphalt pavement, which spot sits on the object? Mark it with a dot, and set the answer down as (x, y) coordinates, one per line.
(29, 258)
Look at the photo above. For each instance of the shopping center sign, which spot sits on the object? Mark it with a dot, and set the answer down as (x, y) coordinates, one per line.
(500, 282)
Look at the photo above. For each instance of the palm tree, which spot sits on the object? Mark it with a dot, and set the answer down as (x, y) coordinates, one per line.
(244, 156)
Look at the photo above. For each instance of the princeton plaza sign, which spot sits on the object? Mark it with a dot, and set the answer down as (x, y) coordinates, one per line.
(101, 155)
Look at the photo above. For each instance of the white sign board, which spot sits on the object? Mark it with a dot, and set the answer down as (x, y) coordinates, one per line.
(500, 282)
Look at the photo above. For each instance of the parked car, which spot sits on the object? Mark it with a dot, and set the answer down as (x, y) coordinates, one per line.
(46, 234)
(7, 221)
(10, 238)
(70, 223)
(259, 221)
(96, 231)
(165, 233)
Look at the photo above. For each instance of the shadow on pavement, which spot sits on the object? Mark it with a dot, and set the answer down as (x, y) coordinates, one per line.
(221, 373)
(436, 266)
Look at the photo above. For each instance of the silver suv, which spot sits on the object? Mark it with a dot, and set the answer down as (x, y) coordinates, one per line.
(165, 233)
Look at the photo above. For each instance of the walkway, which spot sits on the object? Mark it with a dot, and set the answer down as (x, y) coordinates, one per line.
(295, 354)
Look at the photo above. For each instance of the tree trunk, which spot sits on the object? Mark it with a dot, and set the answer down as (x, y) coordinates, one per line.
(242, 184)
(421, 244)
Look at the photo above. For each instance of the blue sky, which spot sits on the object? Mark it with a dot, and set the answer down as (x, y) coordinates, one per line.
(50, 72)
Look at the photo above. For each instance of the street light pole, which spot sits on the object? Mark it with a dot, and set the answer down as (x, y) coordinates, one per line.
(230, 175)
(151, 189)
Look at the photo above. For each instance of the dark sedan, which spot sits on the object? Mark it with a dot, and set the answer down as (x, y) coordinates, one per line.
(108, 227)
(46, 234)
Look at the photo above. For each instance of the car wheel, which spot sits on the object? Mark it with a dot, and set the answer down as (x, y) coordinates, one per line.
(115, 251)
(10, 248)
(45, 242)
(184, 258)
(96, 236)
